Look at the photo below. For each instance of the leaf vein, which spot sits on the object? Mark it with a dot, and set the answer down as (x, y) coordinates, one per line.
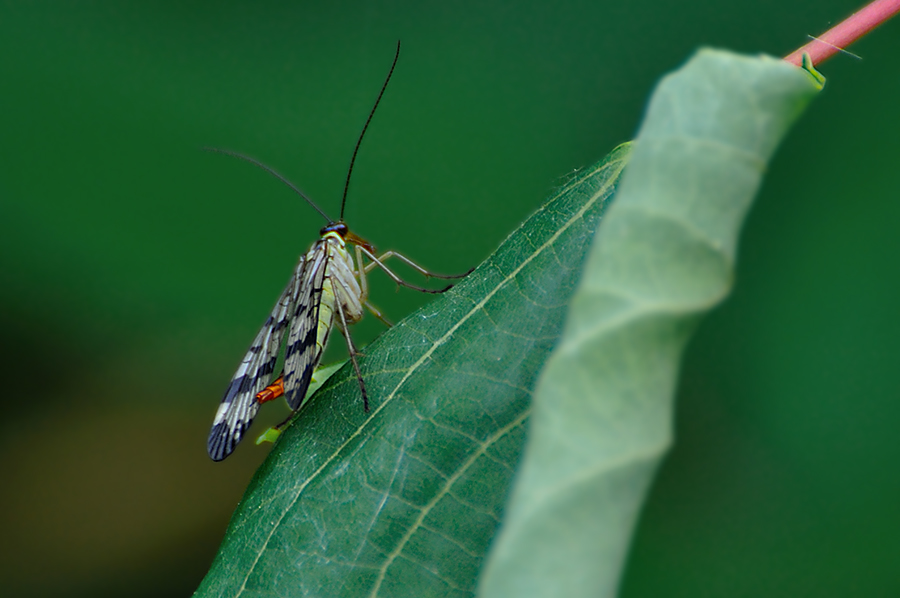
(445, 490)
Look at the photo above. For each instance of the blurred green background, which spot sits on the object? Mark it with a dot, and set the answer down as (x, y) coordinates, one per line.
(135, 268)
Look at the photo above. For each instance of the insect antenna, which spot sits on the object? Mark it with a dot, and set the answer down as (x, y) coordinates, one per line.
(366, 126)
(274, 173)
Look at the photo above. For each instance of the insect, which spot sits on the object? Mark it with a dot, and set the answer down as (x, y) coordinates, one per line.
(328, 287)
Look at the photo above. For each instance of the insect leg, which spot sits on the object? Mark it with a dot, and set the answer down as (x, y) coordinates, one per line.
(377, 314)
(360, 273)
(352, 350)
(378, 262)
(427, 274)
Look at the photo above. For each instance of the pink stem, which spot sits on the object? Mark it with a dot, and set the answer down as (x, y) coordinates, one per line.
(839, 37)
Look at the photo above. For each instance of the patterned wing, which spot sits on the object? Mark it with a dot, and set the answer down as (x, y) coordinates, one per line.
(239, 405)
(303, 347)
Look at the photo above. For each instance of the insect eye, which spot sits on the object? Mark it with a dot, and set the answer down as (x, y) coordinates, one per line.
(335, 227)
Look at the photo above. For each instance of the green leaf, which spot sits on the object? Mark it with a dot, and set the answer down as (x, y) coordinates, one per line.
(404, 500)
(664, 256)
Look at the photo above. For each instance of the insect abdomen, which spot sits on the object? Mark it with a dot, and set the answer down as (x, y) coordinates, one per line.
(326, 316)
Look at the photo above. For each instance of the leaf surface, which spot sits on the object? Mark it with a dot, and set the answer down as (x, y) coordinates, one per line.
(404, 500)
